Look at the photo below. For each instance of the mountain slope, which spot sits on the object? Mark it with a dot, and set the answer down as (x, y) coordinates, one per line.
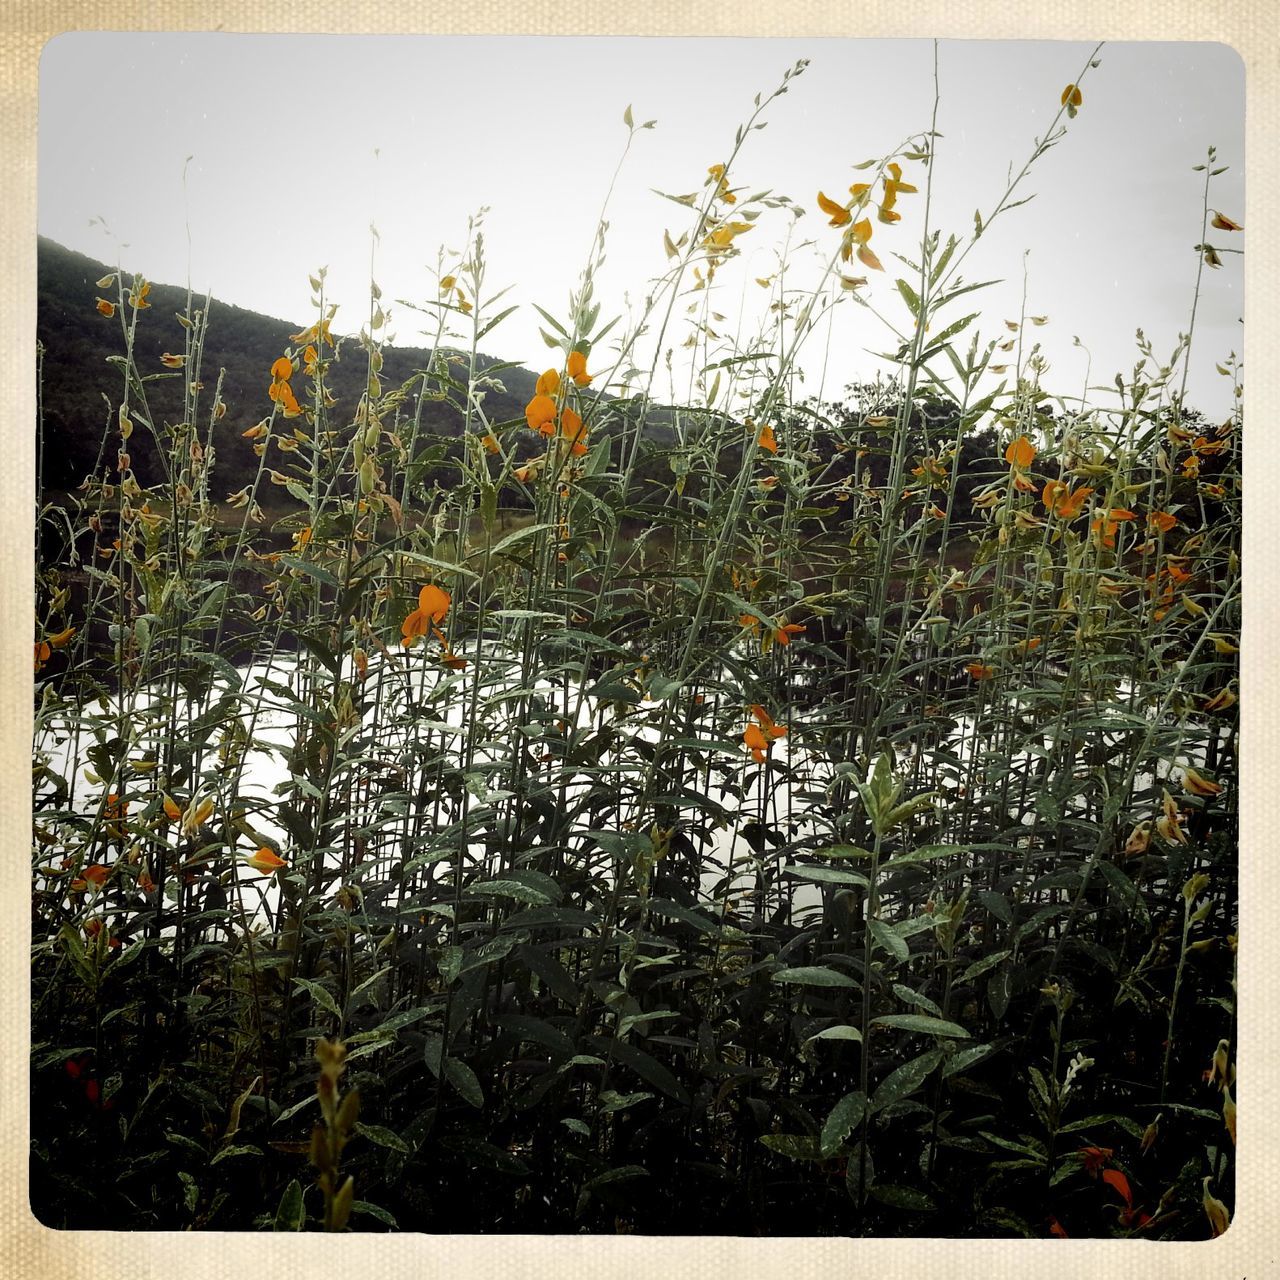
(80, 387)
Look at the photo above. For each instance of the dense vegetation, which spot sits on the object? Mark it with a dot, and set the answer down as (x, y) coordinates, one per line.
(745, 816)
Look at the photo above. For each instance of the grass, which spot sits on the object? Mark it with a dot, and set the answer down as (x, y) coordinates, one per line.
(813, 819)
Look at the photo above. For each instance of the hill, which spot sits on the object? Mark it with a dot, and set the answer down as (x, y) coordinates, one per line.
(77, 347)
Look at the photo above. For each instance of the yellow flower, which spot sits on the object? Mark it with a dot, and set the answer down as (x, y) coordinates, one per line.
(1071, 96)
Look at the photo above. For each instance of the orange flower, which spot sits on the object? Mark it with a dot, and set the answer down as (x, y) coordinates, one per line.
(759, 736)
(490, 443)
(108, 309)
(170, 806)
(172, 361)
(548, 383)
(766, 439)
(42, 653)
(788, 629)
(571, 426)
(838, 214)
(265, 861)
(577, 368)
(282, 369)
(1161, 520)
(540, 411)
(1020, 454)
(1220, 701)
(318, 332)
(1168, 824)
(433, 605)
(1198, 785)
(1062, 501)
(1071, 96)
(1223, 223)
(894, 180)
(138, 297)
(1093, 1158)
(979, 671)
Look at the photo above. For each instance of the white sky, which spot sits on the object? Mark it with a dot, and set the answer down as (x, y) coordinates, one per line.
(282, 131)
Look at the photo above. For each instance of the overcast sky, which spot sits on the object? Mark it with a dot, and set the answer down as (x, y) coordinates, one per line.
(299, 143)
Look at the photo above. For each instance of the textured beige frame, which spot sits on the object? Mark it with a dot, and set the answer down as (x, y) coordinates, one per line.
(1250, 1249)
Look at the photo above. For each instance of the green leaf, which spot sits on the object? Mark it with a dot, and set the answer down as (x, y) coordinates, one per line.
(979, 967)
(646, 1066)
(903, 1082)
(382, 1137)
(374, 1211)
(922, 1023)
(889, 941)
(312, 570)
(795, 1146)
(902, 1197)
(844, 1118)
(290, 1212)
(465, 1081)
(322, 996)
(840, 1032)
(814, 976)
(622, 1174)
(522, 890)
(825, 875)
(966, 1058)
(519, 535)
(227, 1152)
(909, 296)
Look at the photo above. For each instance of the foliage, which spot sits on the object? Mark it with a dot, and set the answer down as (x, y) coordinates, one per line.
(743, 816)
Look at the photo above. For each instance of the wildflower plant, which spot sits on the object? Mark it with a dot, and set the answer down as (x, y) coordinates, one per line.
(671, 808)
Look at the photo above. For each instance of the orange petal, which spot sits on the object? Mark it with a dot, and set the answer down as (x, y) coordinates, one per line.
(868, 259)
(1021, 453)
(434, 602)
(577, 368)
(540, 410)
(838, 214)
(548, 383)
(282, 370)
(265, 861)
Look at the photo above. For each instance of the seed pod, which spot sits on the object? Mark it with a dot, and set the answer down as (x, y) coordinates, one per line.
(342, 1203)
(347, 1112)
